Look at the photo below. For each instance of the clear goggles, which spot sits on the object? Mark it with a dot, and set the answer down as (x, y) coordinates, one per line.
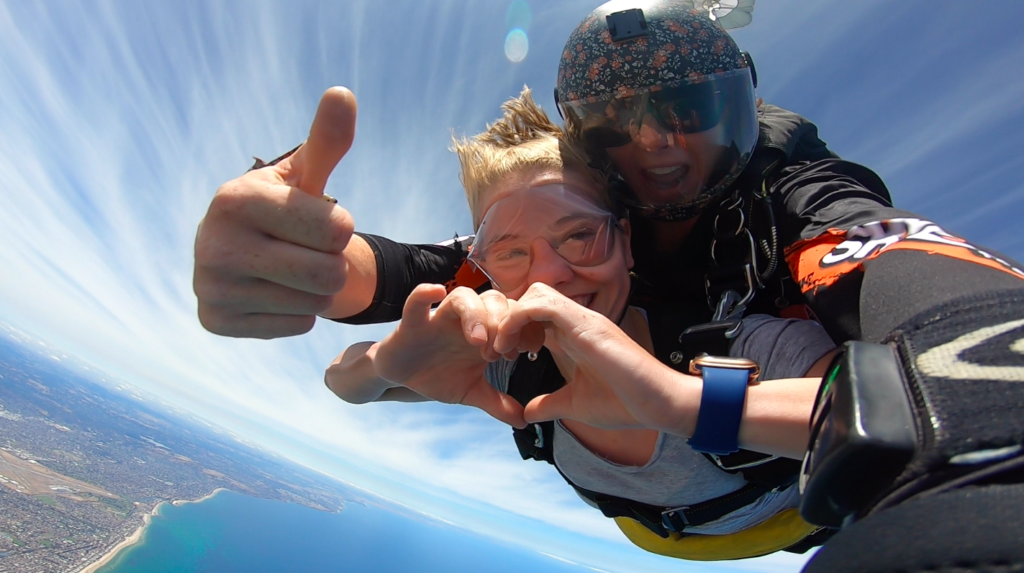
(557, 219)
(682, 108)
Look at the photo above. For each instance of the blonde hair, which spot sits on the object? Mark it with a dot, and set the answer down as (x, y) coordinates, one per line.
(523, 139)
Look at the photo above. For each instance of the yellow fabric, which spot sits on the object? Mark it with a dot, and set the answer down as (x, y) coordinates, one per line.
(777, 532)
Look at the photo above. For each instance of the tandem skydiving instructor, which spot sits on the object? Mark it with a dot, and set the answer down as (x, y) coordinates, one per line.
(915, 461)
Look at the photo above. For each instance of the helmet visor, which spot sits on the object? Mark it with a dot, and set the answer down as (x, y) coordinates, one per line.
(684, 108)
(714, 119)
(556, 219)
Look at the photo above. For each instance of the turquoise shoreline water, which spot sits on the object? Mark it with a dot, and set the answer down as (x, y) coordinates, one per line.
(231, 532)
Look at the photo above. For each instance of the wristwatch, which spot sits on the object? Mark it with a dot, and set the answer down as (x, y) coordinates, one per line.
(721, 402)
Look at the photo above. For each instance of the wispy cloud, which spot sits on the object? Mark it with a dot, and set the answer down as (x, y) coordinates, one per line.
(119, 121)
(116, 136)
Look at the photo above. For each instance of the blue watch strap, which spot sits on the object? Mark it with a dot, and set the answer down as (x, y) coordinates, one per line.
(721, 409)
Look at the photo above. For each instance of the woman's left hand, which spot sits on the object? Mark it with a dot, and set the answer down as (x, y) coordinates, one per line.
(437, 355)
(616, 382)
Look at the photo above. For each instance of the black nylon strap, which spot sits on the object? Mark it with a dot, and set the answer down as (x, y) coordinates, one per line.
(532, 378)
(712, 338)
(662, 520)
(713, 509)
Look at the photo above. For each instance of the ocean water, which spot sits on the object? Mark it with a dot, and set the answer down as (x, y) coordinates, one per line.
(234, 533)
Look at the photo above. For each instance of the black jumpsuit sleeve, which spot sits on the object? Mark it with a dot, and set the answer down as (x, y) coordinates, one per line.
(400, 268)
(864, 266)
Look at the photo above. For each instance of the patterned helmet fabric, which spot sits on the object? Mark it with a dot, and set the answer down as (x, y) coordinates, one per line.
(679, 50)
(681, 44)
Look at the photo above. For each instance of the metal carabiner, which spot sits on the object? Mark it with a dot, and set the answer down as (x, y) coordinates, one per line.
(753, 252)
(734, 203)
(731, 305)
(726, 303)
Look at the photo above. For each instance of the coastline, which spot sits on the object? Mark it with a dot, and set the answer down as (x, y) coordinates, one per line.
(136, 536)
(202, 499)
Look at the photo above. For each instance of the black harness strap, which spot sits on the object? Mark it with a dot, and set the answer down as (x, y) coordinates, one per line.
(532, 378)
(664, 520)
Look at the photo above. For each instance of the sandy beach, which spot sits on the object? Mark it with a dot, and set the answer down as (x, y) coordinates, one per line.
(137, 534)
(204, 498)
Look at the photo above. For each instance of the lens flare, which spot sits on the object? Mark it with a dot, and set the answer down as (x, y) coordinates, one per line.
(516, 46)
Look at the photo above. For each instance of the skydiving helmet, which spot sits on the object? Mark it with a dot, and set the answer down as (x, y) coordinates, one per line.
(661, 74)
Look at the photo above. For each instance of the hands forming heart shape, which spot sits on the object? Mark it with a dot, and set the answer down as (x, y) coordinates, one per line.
(442, 355)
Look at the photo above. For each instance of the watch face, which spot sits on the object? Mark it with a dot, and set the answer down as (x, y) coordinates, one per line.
(703, 360)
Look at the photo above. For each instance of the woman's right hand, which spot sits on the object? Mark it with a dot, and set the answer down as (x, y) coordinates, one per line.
(442, 354)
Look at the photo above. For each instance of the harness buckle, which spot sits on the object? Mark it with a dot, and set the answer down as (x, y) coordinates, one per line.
(725, 329)
(741, 465)
(730, 303)
(674, 519)
(539, 442)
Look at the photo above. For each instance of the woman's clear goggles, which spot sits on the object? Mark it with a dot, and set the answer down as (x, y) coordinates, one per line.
(511, 236)
(584, 243)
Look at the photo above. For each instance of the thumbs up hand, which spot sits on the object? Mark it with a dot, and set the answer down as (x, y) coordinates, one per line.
(271, 254)
(330, 138)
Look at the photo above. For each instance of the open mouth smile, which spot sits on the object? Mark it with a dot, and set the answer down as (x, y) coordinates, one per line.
(666, 177)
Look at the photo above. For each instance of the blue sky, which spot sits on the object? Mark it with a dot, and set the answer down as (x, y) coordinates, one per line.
(120, 120)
